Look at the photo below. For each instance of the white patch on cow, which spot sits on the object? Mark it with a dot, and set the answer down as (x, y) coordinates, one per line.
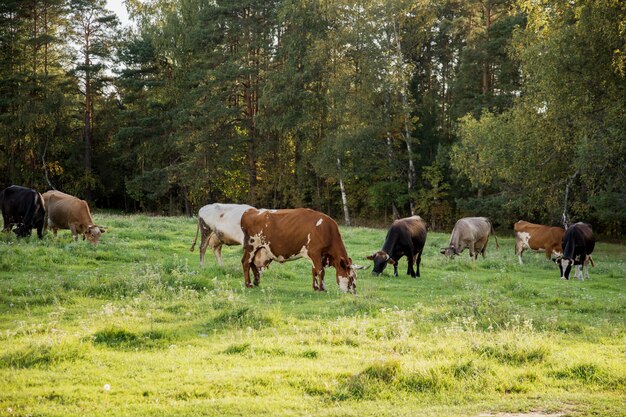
(343, 283)
(225, 220)
(564, 265)
(524, 237)
(261, 258)
(319, 222)
(579, 273)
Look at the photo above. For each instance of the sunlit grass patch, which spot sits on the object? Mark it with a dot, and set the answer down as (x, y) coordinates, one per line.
(242, 317)
(515, 352)
(120, 338)
(173, 338)
(42, 354)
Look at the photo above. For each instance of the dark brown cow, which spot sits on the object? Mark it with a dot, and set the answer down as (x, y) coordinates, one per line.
(578, 245)
(286, 235)
(539, 238)
(23, 207)
(406, 237)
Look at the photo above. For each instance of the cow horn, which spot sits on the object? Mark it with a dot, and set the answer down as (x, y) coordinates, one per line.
(355, 266)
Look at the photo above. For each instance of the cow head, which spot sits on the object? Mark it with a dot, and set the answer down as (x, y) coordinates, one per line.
(92, 234)
(21, 230)
(346, 275)
(565, 266)
(381, 259)
(449, 252)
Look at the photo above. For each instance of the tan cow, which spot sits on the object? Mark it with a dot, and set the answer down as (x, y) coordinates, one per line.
(65, 211)
(286, 235)
(538, 238)
(472, 233)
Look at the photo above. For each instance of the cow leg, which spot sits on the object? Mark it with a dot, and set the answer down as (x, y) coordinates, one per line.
(395, 269)
(217, 251)
(318, 273)
(519, 249)
(410, 270)
(579, 273)
(6, 223)
(55, 230)
(204, 242)
(74, 232)
(246, 261)
(318, 278)
(216, 244)
(256, 273)
(472, 251)
(418, 260)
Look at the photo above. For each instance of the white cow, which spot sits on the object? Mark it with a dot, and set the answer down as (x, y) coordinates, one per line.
(220, 224)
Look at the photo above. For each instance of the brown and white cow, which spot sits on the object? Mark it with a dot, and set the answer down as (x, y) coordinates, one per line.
(65, 211)
(286, 235)
(472, 233)
(219, 224)
(538, 238)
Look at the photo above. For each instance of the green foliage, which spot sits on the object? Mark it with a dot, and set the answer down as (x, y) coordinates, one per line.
(441, 107)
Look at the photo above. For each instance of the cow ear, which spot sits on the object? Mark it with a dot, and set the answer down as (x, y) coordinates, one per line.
(390, 261)
(442, 251)
(102, 229)
(370, 257)
(343, 263)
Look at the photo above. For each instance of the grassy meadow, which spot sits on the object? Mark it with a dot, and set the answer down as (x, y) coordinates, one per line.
(137, 315)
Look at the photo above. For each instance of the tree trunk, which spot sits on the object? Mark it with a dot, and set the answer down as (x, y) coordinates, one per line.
(486, 84)
(344, 198)
(407, 118)
(570, 181)
(87, 131)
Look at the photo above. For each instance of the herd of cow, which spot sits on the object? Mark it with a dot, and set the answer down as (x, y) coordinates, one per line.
(289, 234)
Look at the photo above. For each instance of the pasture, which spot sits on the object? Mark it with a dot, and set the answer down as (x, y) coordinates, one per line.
(135, 327)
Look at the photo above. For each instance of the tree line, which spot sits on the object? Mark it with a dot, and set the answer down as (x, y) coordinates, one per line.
(365, 110)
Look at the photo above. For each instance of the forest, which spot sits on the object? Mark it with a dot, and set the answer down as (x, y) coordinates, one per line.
(365, 110)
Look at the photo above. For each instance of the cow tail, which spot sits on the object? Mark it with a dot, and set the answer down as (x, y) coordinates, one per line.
(193, 245)
(493, 232)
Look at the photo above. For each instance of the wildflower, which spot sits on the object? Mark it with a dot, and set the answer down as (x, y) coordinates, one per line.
(107, 387)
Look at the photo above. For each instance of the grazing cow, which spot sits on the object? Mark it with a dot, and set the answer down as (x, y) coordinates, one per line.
(538, 238)
(472, 233)
(68, 212)
(406, 237)
(286, 235)
(578, 244)
(23, 207)
(220, 224)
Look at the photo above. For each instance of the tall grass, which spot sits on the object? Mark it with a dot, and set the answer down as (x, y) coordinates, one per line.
(138, 314)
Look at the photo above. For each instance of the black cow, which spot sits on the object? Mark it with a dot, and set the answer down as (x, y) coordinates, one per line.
(406, 237)
(578, 244)
(23, 207)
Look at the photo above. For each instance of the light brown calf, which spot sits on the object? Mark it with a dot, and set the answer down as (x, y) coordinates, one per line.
(65, 211)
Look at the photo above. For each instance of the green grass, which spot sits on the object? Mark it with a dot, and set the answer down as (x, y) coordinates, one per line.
(170, 338)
